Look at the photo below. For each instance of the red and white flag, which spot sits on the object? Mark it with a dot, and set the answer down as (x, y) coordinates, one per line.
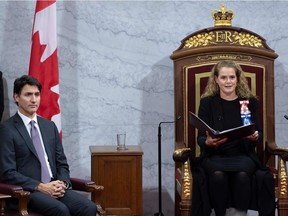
(44, 60)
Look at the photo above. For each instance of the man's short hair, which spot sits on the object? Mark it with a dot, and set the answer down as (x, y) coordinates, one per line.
(20, 82)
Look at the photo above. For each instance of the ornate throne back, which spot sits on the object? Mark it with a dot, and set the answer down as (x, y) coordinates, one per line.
(193, 61)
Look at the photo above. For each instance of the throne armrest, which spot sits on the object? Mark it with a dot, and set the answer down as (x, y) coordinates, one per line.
(275, 150)
(183, 178)
(89, 186)
(181, 155)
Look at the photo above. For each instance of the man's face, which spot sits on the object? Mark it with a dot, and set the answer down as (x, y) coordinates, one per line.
(28, 100)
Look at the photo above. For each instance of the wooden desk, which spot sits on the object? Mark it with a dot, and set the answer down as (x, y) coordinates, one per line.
(120, 172)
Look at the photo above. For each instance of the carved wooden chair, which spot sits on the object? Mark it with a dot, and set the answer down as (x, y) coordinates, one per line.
(9, 191)
(193, 61)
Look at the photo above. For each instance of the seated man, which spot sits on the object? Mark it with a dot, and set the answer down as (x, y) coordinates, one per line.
(32, 156)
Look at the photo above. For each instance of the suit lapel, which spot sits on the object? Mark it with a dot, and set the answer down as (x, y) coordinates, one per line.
(24, 133)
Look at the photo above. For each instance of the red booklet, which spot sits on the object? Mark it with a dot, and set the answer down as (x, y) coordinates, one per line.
(231, 134)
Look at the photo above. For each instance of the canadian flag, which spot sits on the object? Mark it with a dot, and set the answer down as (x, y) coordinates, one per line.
(44, 60)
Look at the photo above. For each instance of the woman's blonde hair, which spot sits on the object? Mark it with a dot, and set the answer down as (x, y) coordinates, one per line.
(242, 88)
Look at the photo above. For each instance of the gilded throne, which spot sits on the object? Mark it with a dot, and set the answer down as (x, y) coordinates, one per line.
(193, 61)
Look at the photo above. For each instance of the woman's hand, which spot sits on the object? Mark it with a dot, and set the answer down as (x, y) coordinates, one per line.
(213, 142)
(253, 137)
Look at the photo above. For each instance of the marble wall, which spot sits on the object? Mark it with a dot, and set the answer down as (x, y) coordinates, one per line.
(116, 74)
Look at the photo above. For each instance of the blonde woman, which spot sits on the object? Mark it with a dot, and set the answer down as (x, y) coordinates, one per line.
(227, 102)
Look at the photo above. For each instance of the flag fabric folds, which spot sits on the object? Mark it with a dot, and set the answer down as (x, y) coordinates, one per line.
(44, 60)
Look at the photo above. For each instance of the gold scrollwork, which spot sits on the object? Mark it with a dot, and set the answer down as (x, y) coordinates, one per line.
(186, 180)
(246, 39)
(283, 179)
(200, 40)
(179, 151)
(212, 38)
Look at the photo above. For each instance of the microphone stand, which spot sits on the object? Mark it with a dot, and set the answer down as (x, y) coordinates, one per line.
(159, 166)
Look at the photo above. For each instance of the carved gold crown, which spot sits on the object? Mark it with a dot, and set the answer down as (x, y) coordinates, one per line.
(222, 17)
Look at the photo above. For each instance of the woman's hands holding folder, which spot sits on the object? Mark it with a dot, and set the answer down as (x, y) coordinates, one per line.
(213, 142)
(219, 141)
(253, 137)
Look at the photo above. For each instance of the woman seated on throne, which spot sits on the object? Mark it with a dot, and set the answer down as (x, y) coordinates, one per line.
(231, 171)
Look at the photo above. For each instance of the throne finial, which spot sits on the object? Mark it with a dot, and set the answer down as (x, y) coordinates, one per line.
(222, 17)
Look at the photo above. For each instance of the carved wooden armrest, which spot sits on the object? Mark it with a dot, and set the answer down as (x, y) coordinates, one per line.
(282, 179)
(9, 189)
(85, 185)
(181, 155)
(279, 151)
(88, 186)
(19, 193)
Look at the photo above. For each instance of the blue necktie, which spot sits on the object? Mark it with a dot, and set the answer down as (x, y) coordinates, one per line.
(45, 176)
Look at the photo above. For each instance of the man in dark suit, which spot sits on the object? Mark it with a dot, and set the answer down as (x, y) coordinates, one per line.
(21, 163)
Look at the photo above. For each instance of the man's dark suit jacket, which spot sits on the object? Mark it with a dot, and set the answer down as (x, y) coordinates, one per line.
(19, 164)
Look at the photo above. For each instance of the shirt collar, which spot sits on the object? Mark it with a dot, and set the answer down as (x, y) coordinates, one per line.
(26, 119)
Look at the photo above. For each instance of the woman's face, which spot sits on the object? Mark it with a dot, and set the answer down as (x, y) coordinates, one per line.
(227, 81)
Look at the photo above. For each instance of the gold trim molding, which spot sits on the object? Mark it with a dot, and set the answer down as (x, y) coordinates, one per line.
(200, 40)
(186, 178)
(245, 39)
(283, 178)
(223, 36)
(222, 57)
(179, 151)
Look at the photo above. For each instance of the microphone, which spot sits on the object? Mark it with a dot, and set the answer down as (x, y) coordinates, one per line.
(171, 122)
(286, 117)
(159, 164)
